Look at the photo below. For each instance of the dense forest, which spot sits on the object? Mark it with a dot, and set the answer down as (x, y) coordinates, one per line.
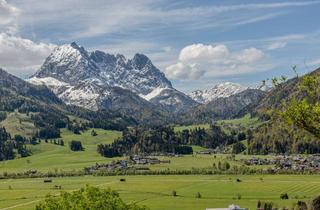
(139, 140)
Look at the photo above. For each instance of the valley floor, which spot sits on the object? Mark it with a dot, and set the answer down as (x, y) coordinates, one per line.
(152, 191)
(155, 191)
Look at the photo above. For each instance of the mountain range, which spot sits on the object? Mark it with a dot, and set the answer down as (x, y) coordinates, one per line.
(98, 80)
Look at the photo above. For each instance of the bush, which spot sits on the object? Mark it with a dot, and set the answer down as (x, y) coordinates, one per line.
(284, 196)
(88, 198)
(174, 193)
(238, 147)
(93, 133)
(315, 204)
(76, 146)
(301, 205)
(198, 195)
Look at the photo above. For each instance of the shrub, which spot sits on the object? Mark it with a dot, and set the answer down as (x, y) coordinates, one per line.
(174, 193)
(284, 196)
(76, 146)
(315, 204)
(198, 195)
(301, 205)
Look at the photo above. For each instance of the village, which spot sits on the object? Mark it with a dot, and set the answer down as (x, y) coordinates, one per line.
(129, 163)
(288, 162)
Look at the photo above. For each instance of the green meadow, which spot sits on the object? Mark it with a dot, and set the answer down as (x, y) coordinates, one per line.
(51, 157)
(156, 191)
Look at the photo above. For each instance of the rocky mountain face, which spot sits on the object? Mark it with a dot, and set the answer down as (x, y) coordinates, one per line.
(222, 90)
(93, 80)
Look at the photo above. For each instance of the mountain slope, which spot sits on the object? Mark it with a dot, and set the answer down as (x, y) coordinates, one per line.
(16, 93)
(222, 108)
(89, 79)
(171, 99)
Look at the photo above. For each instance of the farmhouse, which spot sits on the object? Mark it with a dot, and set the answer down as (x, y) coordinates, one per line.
(231, 207)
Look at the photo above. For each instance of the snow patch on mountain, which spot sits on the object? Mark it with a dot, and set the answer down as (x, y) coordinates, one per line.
(48, 81)
(84, 96)
(152, 94)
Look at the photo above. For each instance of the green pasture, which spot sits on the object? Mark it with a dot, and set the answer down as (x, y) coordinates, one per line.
(51, 157)
(155, 191)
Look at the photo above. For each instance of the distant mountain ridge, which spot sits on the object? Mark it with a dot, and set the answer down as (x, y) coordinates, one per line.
(222, 90)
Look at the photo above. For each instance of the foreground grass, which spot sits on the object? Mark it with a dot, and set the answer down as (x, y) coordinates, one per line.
(50, 157)
(155, 191)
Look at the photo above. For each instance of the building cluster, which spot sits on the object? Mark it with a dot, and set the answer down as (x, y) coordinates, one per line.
(258, 161)
(298, 162)
(142, 160)
(126, 164)
(288, 162)
(113, 166)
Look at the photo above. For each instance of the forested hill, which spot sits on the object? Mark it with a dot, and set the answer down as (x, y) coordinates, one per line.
(292, 118)
(282, 93)
(16, 92)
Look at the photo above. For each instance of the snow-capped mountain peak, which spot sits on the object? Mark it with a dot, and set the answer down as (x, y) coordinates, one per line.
(86, 78)
(222, 90)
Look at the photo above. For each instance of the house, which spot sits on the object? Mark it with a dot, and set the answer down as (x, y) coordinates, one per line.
(231, 207)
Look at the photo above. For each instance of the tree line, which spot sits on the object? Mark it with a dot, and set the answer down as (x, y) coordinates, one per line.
(163, 139)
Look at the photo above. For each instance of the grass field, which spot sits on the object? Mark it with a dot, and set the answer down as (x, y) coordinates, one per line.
(50, 157)
(155, 191)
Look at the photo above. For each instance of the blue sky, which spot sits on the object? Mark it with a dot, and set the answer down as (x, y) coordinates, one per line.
(196, 43)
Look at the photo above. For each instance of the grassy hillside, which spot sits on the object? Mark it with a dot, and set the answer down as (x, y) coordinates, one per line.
(19, 123)
(50, 157)
(155, 191)
(246, 121)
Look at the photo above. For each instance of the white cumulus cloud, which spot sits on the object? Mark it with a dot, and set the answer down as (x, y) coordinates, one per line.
(197, 60)
(22, 56)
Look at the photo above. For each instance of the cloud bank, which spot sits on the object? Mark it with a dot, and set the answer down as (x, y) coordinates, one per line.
(22, 56)
(197, 60)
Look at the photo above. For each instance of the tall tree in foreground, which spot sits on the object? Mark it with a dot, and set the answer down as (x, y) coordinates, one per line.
(304, 111)
(88, 198)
